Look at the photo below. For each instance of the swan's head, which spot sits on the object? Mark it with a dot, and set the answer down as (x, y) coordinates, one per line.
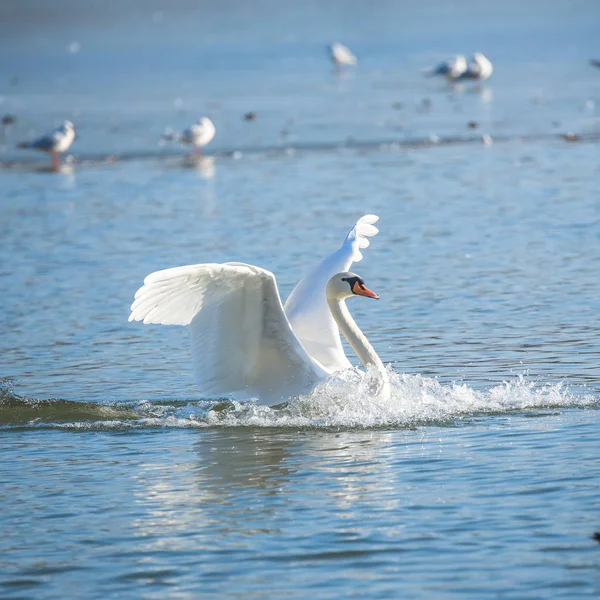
(345, 285)
(68, 126)
(205, 122)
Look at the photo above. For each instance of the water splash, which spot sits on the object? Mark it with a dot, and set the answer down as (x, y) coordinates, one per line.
(344, 401)
(347, 401)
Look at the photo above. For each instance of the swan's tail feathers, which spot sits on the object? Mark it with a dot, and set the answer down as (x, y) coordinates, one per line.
(359, 235)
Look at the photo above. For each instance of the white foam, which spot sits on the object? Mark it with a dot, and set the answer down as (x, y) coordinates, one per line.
(346, 401)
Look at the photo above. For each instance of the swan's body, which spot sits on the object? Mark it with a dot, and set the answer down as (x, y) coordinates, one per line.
(56, 142)
(341, 55)
(197, 135)
(479, 68)
(452, 69)
(244, 342)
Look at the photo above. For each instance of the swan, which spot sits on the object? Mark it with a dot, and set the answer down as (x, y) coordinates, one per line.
(197, 135)
(341, 55)
(452, 68)
(56, 142)
(245, 342)
(479, 68)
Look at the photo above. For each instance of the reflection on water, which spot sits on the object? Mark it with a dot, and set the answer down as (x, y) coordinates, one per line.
(240, 458)
(249, 506)
(231, 465)
(62, 169)
(205, 165)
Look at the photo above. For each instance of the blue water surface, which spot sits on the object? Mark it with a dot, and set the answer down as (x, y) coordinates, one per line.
(479, 477)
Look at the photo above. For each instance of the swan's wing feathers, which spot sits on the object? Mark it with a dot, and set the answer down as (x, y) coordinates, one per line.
(225, 334)
(242, 342)
(173, 296)
(358, 237)
(307, 308)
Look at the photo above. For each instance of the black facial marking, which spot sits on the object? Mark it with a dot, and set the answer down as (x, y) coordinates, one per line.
(354, 280)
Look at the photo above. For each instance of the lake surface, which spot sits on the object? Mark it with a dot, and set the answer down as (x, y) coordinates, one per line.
(478, 478)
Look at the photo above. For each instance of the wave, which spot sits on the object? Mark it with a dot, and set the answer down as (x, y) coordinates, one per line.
(20, 410)
(344, 401)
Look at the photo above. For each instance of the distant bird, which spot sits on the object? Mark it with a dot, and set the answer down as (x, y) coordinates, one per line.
(452, 68)
(595, 63)
(596, 536)
(56, 142)
(479, 68)
(341, 55)
(198, 135)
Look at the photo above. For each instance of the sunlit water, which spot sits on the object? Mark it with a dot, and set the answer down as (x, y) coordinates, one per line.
(477, 478)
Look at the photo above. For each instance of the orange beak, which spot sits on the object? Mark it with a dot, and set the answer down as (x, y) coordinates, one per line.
(364, 291)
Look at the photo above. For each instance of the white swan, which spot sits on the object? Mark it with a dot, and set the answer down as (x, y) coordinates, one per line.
(244, 342)
(197, 135)
(56, 142)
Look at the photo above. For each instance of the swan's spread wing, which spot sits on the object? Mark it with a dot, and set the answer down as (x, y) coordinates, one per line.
(307, 308)
(242, 342)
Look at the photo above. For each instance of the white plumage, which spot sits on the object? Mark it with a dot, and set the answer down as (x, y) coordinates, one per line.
(341, 55)
(307, 308)
(479, 68)
(197, 135)
(56, 142)
(452, 68)
(243, 341)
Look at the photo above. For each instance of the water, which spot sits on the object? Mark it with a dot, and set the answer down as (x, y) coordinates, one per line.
(477, 478)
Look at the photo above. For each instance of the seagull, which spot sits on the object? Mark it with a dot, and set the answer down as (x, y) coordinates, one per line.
(452, 68)
(197, 135)
(56, 142)
(479, 68)
(341, 55)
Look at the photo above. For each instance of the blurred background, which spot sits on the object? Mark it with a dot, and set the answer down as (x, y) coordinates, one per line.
(124, 72)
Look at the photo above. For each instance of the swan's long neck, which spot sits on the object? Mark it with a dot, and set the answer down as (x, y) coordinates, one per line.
(356, 338)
